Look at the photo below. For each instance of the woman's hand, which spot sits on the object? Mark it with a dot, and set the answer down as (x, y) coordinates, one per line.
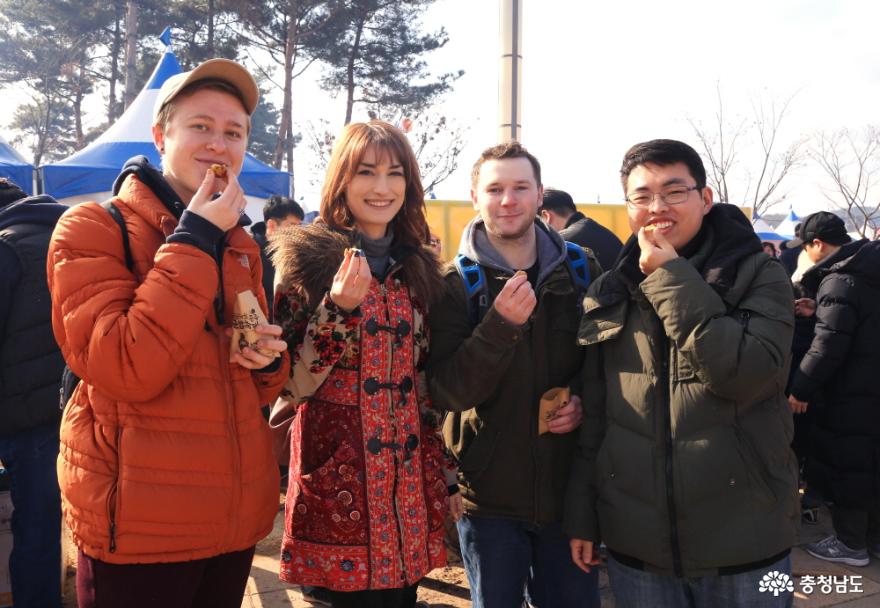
(224, 210)
(352, 281)
(269, 340)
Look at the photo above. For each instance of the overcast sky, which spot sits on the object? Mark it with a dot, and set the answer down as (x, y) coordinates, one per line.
(601, 76)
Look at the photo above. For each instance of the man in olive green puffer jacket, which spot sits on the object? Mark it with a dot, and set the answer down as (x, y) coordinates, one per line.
(684, 468)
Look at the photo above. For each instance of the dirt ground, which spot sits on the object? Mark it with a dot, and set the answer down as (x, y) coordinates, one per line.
(443, 588)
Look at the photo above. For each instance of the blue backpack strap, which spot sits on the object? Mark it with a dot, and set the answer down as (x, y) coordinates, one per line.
(578, 268)
(474, 280)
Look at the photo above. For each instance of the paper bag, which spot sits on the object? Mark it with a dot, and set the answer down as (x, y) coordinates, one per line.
(551, 401)
(246, 315)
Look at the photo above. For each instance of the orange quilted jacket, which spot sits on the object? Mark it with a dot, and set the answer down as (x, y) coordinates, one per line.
(165, 455)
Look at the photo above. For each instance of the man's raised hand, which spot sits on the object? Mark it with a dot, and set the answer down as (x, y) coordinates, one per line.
(517, 300)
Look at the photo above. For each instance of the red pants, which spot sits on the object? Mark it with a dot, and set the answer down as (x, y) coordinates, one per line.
(214, 582)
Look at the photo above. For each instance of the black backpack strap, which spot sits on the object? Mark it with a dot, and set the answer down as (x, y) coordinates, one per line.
(69, 380)
(114, 212)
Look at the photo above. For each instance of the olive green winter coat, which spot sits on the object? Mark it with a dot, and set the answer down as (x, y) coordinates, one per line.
(684, 461)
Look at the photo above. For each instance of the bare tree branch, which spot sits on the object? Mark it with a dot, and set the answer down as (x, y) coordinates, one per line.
(722, 147)
(851, 162)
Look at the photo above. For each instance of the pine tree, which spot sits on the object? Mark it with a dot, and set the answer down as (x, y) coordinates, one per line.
(377, 55)
(285, 30)
(50, 52)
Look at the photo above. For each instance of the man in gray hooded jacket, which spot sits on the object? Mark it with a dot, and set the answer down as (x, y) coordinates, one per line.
(490, 364)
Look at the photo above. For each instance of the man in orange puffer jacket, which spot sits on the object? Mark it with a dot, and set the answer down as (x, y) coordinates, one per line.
(166, 470)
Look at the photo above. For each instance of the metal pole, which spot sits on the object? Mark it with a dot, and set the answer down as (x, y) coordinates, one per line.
(510, 72)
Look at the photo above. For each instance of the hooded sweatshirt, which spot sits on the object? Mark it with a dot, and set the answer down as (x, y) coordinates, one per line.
(491, 378)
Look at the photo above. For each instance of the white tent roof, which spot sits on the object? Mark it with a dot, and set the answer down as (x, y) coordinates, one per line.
(764, 231)
(93, 169)
(786, 227)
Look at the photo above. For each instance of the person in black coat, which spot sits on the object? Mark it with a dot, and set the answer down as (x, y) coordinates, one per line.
(789, 251)
(558, 211)
(279, 212)
(30, 376)
(838, 377)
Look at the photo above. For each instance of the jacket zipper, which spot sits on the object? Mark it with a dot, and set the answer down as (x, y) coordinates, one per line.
(229, 399)
(670, 488)
(113, 495)
(533, 430)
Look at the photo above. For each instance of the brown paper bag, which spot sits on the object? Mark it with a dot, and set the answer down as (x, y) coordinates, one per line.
(551, 401)
(246, 315)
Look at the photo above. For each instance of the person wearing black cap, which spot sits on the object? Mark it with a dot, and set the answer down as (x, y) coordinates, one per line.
(837, 380)
(278, 212)
(30, 376)
(558, 211)
(789, 251)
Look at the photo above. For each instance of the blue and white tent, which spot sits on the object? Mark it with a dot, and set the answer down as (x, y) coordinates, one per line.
(764, 231)
(89, 173)
(786, 226)
(14, 167)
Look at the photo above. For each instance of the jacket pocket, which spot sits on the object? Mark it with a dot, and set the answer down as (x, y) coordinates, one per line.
(565, 355)
(477, 456)
(436, 492)
(683, 369)
(604, 466)
(329, 505)
(755, 470)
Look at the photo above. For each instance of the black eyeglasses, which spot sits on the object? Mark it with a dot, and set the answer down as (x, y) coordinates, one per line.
(671, 196)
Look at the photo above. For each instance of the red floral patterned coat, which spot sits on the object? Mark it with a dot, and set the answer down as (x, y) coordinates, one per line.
(366, 495)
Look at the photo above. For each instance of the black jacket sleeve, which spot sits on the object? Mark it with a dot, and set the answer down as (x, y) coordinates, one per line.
(837, 318)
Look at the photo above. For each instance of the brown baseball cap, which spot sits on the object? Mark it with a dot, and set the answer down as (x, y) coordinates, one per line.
(231, 72)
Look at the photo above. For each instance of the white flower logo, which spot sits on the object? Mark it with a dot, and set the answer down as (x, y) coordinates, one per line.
(776, 582)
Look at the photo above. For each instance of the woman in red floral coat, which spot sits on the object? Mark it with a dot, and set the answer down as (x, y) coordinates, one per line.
(367, 494)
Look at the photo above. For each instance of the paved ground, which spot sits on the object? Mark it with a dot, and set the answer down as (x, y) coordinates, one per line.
(448, 588)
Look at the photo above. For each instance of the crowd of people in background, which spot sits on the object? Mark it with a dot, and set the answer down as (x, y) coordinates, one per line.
(569, 401)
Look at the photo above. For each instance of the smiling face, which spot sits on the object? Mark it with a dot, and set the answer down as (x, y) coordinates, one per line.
(206, 127)
(507, 197)
(376, 192)
(678, 223)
